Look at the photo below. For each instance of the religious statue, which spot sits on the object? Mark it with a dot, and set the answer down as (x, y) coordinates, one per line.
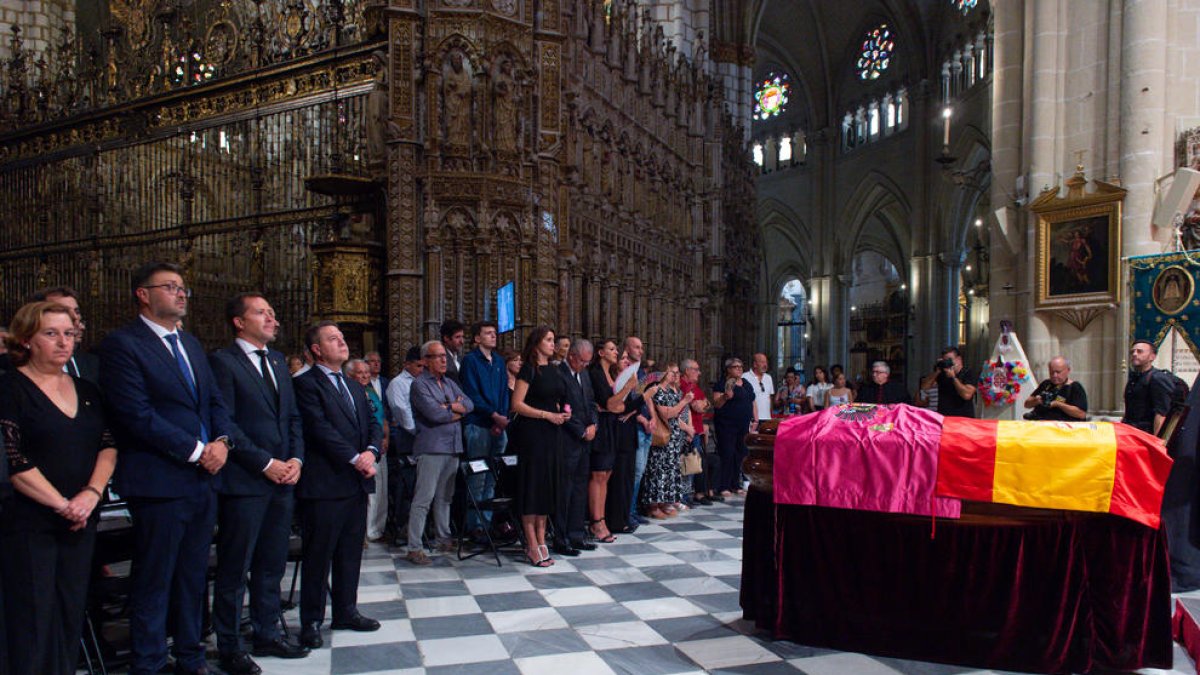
(507, 122)
(456, 106)
(378, 117)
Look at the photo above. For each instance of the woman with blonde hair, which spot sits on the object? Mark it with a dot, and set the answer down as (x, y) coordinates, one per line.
(60, 455)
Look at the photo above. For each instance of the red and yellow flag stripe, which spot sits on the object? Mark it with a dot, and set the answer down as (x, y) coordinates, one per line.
(1080, 466)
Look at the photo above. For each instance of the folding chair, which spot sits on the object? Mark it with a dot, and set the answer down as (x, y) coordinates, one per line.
(498, 506)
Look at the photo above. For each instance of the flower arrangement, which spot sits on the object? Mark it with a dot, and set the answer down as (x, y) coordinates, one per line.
(1000, 382)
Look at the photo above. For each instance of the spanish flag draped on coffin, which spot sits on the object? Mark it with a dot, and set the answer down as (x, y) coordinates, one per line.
(899, 459)
(1103, 467)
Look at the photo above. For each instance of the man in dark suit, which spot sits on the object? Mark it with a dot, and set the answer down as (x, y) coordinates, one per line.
(254, 506)
(879, 390)
(341, 444)
(578, 432)
(82, 364)
(172, 427)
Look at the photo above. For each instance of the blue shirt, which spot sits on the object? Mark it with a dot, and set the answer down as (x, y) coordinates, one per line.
(486, 384)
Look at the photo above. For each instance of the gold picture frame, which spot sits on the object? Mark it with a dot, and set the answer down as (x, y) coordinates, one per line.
(1078, 274)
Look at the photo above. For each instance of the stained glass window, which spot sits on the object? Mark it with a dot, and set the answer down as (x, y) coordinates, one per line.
(964, 6)
(876, 53)
(771, 96)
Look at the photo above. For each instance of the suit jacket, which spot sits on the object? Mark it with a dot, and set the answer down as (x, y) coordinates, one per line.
(333, 435)
(153, 414)
(581, 400)
(265, 428)
(893, 392)
(88, 365)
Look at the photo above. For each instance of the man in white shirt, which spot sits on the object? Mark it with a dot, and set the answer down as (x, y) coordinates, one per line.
(764, 387)
(402, 469)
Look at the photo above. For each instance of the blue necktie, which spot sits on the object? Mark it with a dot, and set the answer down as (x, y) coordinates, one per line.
(173, 338)
(341, 386)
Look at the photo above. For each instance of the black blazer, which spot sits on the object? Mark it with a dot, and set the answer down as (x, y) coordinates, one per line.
(333, 435)
(154, 415)
(581, 400)
(264, 429)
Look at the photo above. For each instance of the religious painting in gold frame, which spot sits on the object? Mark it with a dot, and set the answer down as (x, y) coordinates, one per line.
(1079, 250)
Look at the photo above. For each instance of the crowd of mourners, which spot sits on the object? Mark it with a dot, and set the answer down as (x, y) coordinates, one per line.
(562, 447)
(559, 448)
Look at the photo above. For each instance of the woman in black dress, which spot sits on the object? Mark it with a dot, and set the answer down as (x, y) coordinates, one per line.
(60, 455)
(604, 447)
(538, 398)
(733, 401)
(625, 443)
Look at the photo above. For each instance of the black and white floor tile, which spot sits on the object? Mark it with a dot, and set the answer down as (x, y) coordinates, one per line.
(663, 600)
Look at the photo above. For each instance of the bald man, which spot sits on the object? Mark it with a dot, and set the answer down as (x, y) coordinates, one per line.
(1058, 398)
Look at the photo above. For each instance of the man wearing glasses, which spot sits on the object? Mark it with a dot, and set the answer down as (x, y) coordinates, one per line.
(171, 424)
(764, 387)
(438, 405)
(879, 390)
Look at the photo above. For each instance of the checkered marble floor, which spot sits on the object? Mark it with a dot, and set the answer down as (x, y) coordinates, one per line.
(664, 600)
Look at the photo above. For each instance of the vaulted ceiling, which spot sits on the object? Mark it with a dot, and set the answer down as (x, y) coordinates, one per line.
(818, 41)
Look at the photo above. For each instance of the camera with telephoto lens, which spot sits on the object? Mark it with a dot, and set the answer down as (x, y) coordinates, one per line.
(944, 363)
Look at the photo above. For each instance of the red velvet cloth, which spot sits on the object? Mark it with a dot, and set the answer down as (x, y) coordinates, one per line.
(1065, 593)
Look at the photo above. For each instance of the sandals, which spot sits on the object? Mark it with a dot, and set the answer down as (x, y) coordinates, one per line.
(543, 560)
(606, 540)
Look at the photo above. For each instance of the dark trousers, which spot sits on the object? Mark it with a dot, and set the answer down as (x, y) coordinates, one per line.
(402, 485)
(731, 447)
(253, 540)
(402, 480)
(574, 472)
(333, 532)
(46, 582)
(171, 538)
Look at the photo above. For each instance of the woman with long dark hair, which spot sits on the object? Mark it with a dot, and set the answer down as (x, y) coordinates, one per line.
(625, 443)
(538, 398)
(603, 374)
(818, 391)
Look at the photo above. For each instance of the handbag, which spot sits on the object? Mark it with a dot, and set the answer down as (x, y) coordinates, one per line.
(689, 464)
(661, 434)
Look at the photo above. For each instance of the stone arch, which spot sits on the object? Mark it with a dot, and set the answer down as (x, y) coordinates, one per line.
(961, 203)
(877, 217)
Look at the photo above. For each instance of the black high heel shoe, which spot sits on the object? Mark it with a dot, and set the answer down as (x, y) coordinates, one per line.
(607, 540)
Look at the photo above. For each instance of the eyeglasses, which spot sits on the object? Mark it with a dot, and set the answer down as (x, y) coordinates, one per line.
(436, 356)
(172, 289)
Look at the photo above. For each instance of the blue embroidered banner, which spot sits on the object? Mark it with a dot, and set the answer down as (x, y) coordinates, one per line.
(1163, 289)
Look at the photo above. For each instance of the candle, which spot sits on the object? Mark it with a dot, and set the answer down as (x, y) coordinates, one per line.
(946, 127)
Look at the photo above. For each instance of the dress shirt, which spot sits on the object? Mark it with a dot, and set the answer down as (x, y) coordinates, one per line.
(162, 334)
(333, 379)
(252, 354)
(377, 385)
(398, 393)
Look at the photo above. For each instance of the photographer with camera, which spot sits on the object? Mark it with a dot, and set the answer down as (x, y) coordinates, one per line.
(955, 384)
(1058, 398)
